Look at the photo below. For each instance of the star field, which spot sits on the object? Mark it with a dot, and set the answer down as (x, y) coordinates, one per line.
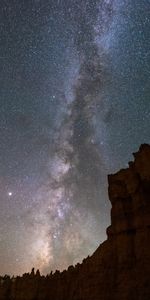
(74, 105)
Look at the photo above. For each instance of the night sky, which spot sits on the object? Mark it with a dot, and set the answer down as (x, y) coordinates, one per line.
(74, 105)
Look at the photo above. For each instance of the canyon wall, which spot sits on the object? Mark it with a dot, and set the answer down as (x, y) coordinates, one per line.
(120, 268)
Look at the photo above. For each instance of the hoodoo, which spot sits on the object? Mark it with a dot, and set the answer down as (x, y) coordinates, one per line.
(120, 268)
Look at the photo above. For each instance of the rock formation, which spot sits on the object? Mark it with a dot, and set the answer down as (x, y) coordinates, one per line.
(120, 268)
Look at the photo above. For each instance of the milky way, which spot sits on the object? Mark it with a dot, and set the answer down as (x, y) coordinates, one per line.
(74, 106)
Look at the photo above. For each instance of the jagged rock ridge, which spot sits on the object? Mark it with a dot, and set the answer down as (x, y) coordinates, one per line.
(120, 268)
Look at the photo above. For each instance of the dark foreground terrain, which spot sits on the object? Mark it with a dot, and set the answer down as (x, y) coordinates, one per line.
(120, 268)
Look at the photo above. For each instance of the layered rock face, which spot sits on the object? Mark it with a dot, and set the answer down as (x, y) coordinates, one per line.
(120, 268)
(129, 193)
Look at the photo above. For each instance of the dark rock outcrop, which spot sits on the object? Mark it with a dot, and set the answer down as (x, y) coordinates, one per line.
(120, 268)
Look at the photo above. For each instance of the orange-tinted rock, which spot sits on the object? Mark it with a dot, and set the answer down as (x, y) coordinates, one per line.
(120, 268)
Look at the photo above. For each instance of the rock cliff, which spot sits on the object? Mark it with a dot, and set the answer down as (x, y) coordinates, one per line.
(120, 268)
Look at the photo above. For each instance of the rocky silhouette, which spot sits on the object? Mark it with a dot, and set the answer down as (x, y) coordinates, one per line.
(120, 268)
